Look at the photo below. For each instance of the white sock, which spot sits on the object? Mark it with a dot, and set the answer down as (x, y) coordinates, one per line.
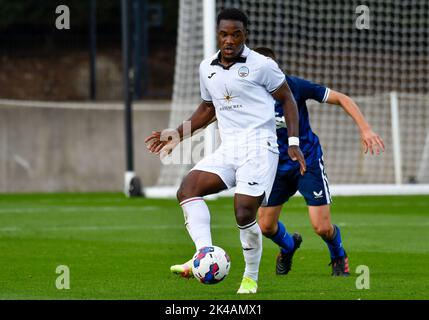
(197, 221)
(251, 238)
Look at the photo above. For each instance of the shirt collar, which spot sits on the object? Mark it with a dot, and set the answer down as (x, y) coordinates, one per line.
(240, 59)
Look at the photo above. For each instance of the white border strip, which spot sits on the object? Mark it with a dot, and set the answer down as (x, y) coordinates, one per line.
(335, 190)
(325, 182)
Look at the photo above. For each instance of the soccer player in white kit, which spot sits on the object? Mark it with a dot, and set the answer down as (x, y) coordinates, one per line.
(238, 87)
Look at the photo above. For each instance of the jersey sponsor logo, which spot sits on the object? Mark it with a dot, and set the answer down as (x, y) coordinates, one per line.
(318, 195)
(228, 108)
(243, 72)
(228, 96)
(211, 76)
(227, 99)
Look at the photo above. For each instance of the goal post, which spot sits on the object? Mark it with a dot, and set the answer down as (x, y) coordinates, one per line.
(209, 18)
(396, 142)
(423, 172)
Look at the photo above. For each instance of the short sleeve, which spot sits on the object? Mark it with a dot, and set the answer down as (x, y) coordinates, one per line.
(313, 91)
(272, 77)
(205, 95)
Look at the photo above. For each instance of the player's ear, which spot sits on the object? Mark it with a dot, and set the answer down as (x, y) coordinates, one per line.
(246, 35)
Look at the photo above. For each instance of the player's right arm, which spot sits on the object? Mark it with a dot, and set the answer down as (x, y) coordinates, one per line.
(168, 139)
(164, 142)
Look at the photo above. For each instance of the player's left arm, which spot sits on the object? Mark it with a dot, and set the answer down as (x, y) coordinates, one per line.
(370, 140)
(290, 111)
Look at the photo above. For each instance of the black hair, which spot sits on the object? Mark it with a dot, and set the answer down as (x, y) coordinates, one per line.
(266, 52)
(233, 14)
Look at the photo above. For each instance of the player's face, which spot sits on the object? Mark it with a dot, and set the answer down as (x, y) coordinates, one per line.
(231, 37)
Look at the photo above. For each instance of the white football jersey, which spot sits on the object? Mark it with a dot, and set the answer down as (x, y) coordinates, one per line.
(241, 94)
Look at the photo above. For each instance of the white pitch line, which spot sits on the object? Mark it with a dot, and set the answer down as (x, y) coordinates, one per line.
(104, 228)
(18, 229)
(10, 229)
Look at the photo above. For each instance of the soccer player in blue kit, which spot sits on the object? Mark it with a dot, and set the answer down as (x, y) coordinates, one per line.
(313, 185)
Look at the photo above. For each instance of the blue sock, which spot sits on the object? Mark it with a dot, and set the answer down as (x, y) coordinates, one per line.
(335, 244)
(283, 239)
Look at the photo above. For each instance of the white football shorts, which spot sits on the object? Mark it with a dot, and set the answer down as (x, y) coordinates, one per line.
(251, 170)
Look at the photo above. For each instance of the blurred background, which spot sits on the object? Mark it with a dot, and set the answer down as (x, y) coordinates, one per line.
(40, 62)
(62, 96)
(61, 91)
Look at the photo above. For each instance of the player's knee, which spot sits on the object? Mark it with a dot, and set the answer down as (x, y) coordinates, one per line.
(268, 229)
(323, 231)
(184, 193)
(180, 195)
(244, 216)
(187, 191)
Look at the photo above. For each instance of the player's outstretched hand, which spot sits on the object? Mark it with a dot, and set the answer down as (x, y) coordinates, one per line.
(153, 142)
(372, 142)
(295, 154)
(162, 142)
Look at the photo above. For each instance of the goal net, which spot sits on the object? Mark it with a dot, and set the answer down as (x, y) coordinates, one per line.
(320, 41)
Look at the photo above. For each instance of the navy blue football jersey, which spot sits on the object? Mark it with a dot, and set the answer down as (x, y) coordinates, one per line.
(302, 90)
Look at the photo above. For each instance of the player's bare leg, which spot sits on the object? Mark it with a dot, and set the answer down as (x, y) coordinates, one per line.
(246, 207)
(196, 185)
(199, 184)
(267, 219)
(270, 225)
(320, 217)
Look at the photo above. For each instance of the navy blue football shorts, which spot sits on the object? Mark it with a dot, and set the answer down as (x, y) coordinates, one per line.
(313, 185)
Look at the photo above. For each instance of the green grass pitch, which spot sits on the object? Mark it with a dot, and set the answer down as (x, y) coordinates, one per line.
(118, 248)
